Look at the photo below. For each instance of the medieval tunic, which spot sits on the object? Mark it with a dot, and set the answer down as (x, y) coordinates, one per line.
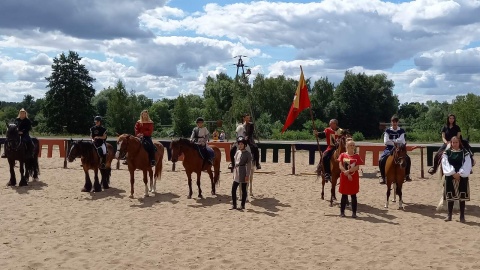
(200, 136)
(349, 187)
(456, 161)
(243, 166)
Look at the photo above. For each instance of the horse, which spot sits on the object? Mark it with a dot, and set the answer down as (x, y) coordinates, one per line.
(131, 148)
(86, 151)
(395, 172)
(193, 163)
(340, 147)
(15, 149)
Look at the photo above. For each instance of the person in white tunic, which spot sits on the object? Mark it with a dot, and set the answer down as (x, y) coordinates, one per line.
(200, 136)
(241, 174)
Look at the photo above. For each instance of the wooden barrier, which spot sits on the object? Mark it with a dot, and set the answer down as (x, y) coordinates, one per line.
(226, 146)
(50, 143)
(275, 147)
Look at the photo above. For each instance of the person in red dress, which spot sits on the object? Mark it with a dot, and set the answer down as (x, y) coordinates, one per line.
(144, 130)
(349, 178)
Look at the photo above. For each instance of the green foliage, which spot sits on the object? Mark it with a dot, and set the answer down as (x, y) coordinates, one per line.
(68, 100)
(358, 136)
(467, 110)
(8, 113)
(182, 125)
(122, 111)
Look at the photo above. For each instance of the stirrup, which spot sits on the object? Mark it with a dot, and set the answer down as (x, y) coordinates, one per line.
(230, 166)
(432, 170)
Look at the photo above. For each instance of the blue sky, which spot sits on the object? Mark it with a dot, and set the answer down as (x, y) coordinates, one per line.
(161, 48)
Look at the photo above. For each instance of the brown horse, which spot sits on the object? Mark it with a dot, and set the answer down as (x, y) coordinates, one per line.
(132, 148)
(193, 163)
(86, 151)
(395, 172)
(340, 147)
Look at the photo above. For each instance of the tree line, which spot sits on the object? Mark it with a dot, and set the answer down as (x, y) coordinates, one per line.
(360, 102)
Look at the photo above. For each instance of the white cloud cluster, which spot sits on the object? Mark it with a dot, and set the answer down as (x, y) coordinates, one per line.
(430, 48)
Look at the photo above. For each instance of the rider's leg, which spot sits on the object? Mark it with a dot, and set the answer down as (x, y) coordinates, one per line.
(102, 157)
(151, 150)
(206, 155)
(407, 168)
(381, 165)
(326, 164)
(436, 159)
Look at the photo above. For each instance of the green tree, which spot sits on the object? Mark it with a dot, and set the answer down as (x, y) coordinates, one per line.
(119, 118)
(68, 102)
(100, 101)
(182, 126)
(467, 110)
(322, 96)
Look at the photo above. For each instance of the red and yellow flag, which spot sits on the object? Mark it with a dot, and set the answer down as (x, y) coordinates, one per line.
(301, 101)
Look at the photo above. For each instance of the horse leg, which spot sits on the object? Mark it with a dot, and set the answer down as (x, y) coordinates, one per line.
(198, 185)
(394, 193)
(332, 191)
(323, 188)
(132, 183)
(389, 185)
(190, 192)
(145, 181)
(399, 192)
(23, 179)
(152, 181)
(96, 183)
(105, 177)
(210, 174)
(88, 183)
(13, 178)
(250, 183)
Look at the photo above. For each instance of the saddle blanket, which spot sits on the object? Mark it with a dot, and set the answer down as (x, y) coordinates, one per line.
(211, 153)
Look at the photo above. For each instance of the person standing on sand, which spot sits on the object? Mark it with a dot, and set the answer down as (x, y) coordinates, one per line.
(349, 178)
(241, 174)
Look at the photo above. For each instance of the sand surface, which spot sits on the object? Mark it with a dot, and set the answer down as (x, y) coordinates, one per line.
(52, 225)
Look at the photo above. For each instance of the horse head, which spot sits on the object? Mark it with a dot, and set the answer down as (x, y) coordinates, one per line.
(74, 152)
(399, 154)
(122, 146)
(12, 137)
(176, 148)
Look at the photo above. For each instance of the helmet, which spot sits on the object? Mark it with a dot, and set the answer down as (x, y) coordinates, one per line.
(199, 119)
(97, 118)
(241, 140)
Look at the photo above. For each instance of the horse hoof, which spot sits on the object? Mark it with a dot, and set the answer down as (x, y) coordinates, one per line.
(394, 201)
(131, 196)
(10, 184)
(200, 196)
(146, 196)
(386, 206)
(23, 184)
(85, 190)
(189, 196)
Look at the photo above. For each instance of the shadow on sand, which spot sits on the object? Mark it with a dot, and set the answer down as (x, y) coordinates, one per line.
(32, 185)
(157, 198)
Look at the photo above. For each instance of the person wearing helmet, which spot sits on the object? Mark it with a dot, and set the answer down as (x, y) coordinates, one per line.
(144, 130)
(246, 130)
(200, 137)
(241, 174)
(24, 126)
(98, 133)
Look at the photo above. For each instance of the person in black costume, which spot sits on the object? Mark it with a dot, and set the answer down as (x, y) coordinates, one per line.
(98, 133)
(246, 130)
(24, 126)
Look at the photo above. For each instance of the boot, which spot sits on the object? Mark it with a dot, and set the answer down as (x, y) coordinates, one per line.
(4, 155)
(462, 211)
(450, 211)
(258, 165)
(436, 161)
(407, 178)
(382, 180)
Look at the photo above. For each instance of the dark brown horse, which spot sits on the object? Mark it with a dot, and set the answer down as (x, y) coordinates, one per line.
(132, 148)
(340, 147)
(395, 172)
(86, 151)
(16, 150)
(193, 163)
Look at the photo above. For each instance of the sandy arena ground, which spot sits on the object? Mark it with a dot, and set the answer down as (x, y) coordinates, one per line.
(52, 225)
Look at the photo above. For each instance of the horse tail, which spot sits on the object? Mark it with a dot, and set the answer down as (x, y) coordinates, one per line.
(31, 164)
(216, 166)
(159, 166)
(441, 203)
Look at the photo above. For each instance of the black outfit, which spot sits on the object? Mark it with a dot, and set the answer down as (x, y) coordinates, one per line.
(99, 131)
(150, 147)
(327, 154)
(249, 131)
(456, 191)
(25, 125)
(344, 202)
(450, 132)
(234, 194)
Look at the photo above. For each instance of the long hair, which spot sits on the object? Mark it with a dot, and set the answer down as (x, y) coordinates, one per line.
(141, 119)
(20, 112)
(447, 123)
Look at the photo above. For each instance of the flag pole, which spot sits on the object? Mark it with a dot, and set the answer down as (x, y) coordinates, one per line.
(313, 124)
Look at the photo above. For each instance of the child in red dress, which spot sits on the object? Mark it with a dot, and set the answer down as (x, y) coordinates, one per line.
(349, 178)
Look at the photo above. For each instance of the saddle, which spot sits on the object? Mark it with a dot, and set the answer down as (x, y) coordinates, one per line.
(209, 150)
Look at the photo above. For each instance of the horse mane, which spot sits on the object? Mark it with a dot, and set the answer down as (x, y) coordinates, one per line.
(87, 151)
(185, 141)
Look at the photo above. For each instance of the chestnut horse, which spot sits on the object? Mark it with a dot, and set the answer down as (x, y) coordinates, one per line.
(86, 151)
(137, 158)
(395, 172)
(340, 147)
(193, 163)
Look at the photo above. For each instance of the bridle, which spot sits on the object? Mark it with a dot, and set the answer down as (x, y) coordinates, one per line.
(397, 158)
(179, 146)
(13, 143)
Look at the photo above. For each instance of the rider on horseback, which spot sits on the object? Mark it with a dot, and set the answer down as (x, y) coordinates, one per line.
(246, 130)
(450, 130)
(394, 134)
(98, 133)
(331, 133)
(200, 136)
(144, 130)
(24, 125)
